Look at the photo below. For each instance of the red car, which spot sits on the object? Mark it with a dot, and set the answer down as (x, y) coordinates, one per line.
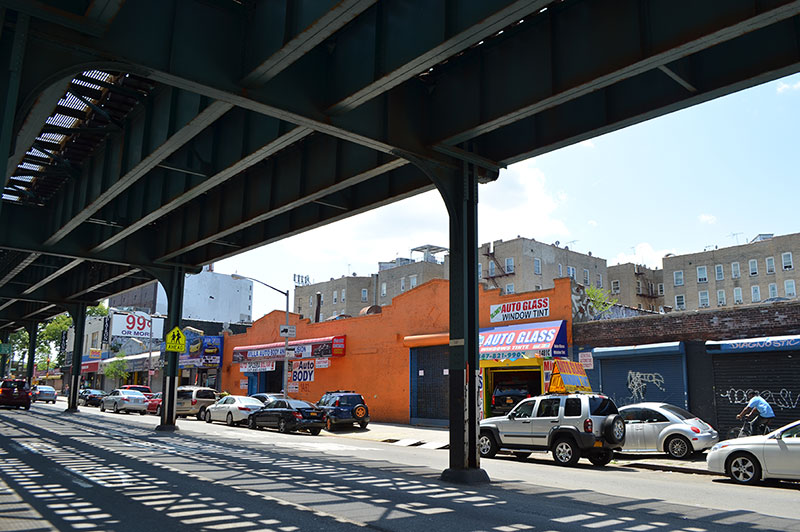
(15, 393)
(148, 393)
(154, 404)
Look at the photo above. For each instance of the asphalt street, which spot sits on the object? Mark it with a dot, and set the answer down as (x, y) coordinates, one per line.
(93, 471)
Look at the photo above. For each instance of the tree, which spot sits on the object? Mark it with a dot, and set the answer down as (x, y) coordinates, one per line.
(118, 368)
(600, 299)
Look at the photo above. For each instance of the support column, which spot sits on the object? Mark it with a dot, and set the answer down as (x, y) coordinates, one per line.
(173, 283)
(459, 189)
(33, 329)
(3, 358)
(78, 314)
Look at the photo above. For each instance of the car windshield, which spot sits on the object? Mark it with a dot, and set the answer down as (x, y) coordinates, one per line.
(143, 389)
(13, 384)
(295, 403)
(350, 400)
(184, 394)
(678, 411)
(510, 390)
(250, 401)
(46, 389)
(602, 406)
(131, 392)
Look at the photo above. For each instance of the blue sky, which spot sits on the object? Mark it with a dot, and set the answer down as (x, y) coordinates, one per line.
(715, 174)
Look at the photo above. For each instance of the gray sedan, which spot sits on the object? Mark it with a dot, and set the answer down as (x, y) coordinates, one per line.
(657, 427)
(124, 401)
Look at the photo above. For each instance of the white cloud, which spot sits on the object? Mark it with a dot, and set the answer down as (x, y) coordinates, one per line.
(642, 253)
(707, 219)
(783, 87)
(592, 223)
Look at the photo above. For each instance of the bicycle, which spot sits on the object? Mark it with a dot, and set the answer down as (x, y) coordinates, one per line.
(747, 429)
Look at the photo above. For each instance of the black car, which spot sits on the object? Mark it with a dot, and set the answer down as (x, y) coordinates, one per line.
(267, 398)
(288, 415)
(344, 407)
(506, 396)
(90, 397)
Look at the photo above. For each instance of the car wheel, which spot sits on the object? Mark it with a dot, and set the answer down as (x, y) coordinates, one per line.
(601, 458)
(143, 412)
(565, 452)
(251, 423)
(208, 416)
(27, 407)
(678, 447)
(521, 455)
(102, 407)
(487, 446)
(329, 425)
(116, 408)
(158, 410)
(229, 420)
(359, 412)
(363, 424)
(614, 429)
(743, 468)
(282, 426)
(315, 432)
(201, 414)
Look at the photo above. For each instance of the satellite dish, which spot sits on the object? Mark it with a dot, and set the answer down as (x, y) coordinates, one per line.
(557, 242)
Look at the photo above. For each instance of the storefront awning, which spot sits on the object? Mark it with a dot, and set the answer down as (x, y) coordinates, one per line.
(769, 343)
(663, 348)
(530, 340)
(312, 347)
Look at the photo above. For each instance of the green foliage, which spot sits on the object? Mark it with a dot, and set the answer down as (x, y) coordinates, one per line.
(600, 299)
(99, 310)
(118, 368)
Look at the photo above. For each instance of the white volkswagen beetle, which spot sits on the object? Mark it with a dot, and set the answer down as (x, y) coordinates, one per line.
(754, 458)
(656, 427)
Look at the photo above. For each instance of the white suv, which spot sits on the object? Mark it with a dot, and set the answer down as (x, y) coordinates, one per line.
(568, 425)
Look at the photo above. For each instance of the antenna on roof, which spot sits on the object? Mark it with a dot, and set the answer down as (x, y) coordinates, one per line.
(736, 236)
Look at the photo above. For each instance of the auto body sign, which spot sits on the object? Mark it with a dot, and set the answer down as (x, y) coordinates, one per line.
(303, 370)
(520, 310)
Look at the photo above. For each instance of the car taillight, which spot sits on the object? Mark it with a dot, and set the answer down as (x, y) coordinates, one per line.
(695, 430)
(244, 408)
(194, 402)
(493, 400)
(298, 415)
(588, 426)
(527, 396)
(336, 403)
(125, 399)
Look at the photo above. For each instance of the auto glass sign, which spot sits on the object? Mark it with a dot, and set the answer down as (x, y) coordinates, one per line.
(568, 377)
(520, 310)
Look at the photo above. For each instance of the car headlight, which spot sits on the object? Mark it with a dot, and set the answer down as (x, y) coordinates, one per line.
(719, 446)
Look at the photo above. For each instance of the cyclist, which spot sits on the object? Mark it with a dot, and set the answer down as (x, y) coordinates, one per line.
(764, 414)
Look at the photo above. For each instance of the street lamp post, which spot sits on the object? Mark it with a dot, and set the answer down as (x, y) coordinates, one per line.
(286, 348)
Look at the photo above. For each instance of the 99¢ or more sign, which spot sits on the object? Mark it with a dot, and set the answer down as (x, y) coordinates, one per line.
(303, 371)
(136, 325)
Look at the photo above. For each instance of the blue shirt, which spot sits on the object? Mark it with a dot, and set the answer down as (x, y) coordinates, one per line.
(764, 410)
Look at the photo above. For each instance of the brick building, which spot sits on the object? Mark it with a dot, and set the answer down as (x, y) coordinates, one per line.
(635, 285)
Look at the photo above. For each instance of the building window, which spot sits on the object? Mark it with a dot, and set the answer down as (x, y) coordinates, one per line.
(491, 269)
(702, 296)
(702, 274)
(677, 276)
(586, 277)
(638, 287)
(560, 271)
(753, 267)
(321, 316)
(480, 271)
(310, 301)
(788, 288)
(343, 296)
(786, 258)
(661, 289)
(510, 265)
(364, 295)
(537, 266)
(773, 290)
(615, 286)
(720, 272)
(510, 288)
(755, 293)
(335, 299)
(402, 284)
(770, 264)
(735, 272)
(412, 281)
(571, 272)
(737, 296)
(383, 289)
(321, 299)
(599, 280)
(680, 302)
(537, 287)
(95, 338)
(720, 297)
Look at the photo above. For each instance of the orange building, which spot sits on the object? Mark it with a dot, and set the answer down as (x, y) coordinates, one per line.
(398, 359)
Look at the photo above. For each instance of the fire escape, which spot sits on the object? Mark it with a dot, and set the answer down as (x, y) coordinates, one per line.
(499, 270)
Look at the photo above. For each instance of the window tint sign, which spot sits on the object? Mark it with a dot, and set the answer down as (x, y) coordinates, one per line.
(520, 310)
(523, 341)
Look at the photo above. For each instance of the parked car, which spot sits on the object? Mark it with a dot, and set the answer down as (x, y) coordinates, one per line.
(267, 397)
(139, 388)
(193, 400)
(506, 396)
(44, 393)
(288, 415)
(755, 458)
(233, 409)
(91, 397)
(15, 393)
(571, 426)
(154, 404)
(344, 407)
(657, 427)
(124, 401)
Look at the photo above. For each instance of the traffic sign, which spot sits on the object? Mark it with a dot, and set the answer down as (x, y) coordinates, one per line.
(176, 340)
(288, 331)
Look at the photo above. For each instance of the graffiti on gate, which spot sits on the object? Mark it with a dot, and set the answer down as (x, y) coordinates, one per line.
(638, 381)
(784, 399)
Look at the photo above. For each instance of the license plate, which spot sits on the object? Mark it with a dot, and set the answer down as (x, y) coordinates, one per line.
(598, 444)
(509, 400)
(313, 414)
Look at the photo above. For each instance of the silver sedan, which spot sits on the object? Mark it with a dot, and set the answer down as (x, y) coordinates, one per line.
(124, 401)
(233, 409)
(657, 427)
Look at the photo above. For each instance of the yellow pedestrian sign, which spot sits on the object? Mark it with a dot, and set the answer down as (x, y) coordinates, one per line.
(176, 340)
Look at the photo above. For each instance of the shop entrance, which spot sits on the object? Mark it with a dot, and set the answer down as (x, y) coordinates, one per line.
(430, 384)
(271, 381)
(505, 387)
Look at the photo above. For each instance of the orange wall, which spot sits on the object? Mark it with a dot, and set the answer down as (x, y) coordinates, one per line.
(376, 362)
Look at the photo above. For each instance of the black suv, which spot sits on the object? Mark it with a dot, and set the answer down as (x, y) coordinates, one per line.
(571, 426)
(344, 407)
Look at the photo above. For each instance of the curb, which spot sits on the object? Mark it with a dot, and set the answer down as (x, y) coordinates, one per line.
(671, 468)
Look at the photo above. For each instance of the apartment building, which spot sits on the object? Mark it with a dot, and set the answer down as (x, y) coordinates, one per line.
(761, 270)
(635, 285)
(523, 265)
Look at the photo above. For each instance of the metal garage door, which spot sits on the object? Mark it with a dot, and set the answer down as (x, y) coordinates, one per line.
(430, 385)
(635, 379)
(775, 375)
